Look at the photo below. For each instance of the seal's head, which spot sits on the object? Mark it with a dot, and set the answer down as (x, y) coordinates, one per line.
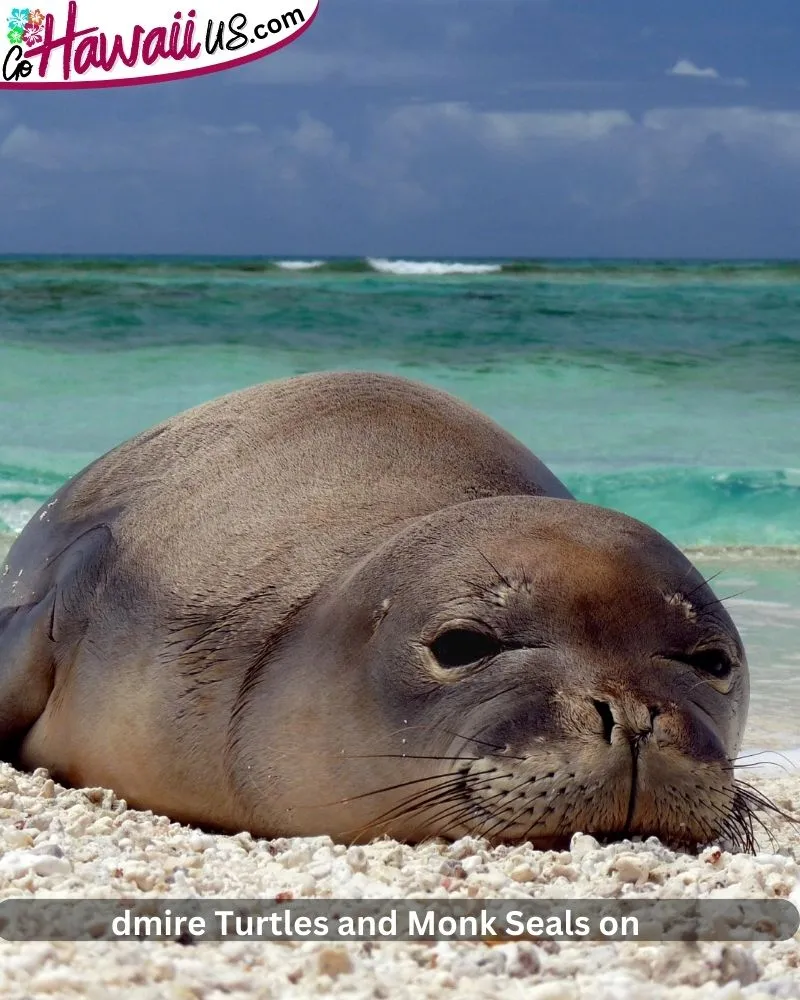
(517, 668)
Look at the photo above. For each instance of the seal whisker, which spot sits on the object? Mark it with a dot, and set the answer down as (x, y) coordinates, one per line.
(560, 828)
(705, 582)
(737, 824)
(399, 756)
(464, 782)
(526, 807)
(491, 831)
(767, 831)
(467, 806)
(477, 589)
(456, 784)
(757, 800)
(410, 805)
(457, 810)
(536, 819)
(409, 808)
(474, 739)
(500, 693)
(701, 683)
(451, 776)
(408, 728)
(503, 579)
(463, 814)
(498, 748)
(722, 600)
(737, 827)
(754, 764)
(761, 753)
(415, 803)
(561, 824)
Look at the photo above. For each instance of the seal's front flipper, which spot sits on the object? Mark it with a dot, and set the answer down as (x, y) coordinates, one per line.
(37, 636)
(26, 666)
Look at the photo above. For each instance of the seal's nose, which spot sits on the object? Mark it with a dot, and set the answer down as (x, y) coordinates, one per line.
(634, 719)
(606, 717)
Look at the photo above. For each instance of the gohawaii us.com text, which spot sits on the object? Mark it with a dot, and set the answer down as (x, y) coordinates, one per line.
(88, 46)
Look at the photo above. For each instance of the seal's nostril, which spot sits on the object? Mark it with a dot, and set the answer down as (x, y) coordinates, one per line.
(605, 713)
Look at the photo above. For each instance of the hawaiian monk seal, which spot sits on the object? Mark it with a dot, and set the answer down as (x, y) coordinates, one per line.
(350, 604)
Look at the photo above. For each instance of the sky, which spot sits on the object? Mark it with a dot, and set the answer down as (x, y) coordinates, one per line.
(436, 128)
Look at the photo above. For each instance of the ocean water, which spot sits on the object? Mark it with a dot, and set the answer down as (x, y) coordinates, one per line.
(668, 390)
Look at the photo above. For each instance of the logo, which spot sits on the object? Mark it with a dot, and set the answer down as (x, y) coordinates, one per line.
(93, 43)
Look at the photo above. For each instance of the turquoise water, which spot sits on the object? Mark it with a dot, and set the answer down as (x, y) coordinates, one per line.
(668, 390)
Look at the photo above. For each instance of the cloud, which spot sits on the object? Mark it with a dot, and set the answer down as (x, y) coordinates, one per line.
(770, 135)
(561, 126)
(501, 130)
(144, 149)
(685, 67)
(30, 148)
(391, 156)
(306, 67)
(167, 184)
(416, 170)
(173, 147)
(607, 161)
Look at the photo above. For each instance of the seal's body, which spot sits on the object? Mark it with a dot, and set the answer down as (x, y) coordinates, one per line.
(350, 604)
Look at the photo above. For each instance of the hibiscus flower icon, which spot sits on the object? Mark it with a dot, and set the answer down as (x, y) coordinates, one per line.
(18, 19)
(15, 36)
(33, 33)
(36, 17)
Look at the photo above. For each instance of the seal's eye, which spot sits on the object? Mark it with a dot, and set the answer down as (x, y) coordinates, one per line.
(459, 647)
(714, 662)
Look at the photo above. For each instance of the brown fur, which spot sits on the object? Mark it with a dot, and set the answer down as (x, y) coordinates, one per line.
(229, 619)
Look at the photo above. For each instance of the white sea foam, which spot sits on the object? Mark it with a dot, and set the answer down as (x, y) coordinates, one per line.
(751, 614)
(760, 553)
(298, 265)
(748, 602)
(15, 514)
(409, 267)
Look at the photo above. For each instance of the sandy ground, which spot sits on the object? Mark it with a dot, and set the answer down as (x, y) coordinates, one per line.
(86, 843)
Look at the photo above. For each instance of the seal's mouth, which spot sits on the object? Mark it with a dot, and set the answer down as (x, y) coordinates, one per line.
(614, 770)
(686, 806)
